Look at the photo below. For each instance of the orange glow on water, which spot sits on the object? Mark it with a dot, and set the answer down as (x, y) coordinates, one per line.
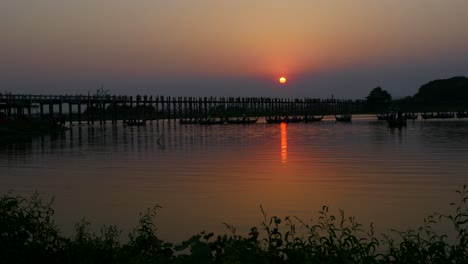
(284, 143)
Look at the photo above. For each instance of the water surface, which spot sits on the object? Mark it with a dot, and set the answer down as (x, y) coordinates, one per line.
(203, 176)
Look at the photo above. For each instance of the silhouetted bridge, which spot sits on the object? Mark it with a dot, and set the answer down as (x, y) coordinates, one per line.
(102, 108)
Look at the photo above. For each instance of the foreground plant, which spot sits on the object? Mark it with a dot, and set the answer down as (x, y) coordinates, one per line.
(28, 234)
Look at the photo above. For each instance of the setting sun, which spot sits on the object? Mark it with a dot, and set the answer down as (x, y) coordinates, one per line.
(282, 80)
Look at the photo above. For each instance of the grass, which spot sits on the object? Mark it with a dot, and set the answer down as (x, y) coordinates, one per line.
(28, 235)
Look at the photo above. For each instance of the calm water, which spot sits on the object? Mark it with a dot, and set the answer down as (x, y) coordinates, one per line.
(203, 176)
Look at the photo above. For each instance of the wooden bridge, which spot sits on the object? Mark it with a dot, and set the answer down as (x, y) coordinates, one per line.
(103, 108)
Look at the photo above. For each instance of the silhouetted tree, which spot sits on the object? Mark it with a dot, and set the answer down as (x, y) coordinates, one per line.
(379, 96)
(442, 95)
(378, 99)
(445, 91)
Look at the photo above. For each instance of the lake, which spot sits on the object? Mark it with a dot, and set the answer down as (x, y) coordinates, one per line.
(203, 176)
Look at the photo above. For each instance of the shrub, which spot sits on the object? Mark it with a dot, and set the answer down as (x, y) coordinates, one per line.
(28, 234)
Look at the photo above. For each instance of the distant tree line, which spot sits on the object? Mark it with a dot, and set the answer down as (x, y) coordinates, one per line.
(450, 95)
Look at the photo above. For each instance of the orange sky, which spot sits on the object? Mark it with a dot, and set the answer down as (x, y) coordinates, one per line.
(215, 39)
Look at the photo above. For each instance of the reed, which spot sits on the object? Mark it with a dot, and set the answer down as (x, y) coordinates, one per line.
(28, 234)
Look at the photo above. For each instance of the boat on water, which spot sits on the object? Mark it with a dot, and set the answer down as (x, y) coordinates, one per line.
(294, 119)
(445, 115)
(343, 118)
(441, 115)
(283, 119)
(462, 114)
(211, 121)
(386, 116)
(428, 115)
(136, 122)
(275, 119)
(411, 116)
(241, 120)
(313, 118)
(188, 121)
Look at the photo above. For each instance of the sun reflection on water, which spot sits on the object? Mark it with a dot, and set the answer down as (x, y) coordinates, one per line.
(284, 143)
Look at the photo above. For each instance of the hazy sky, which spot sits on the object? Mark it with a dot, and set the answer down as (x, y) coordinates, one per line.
(231, 48)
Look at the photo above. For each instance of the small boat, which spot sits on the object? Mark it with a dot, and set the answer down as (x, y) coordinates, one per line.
(386, 116)
(211, 121)
(242, 120)
(411, 116)
(136, 122)
(313, 118)
(462, 114)
(445, 115)
(275, 119)
(188, 121)
(343, 118)
(428, 115)
(293, 119)
(396, 122)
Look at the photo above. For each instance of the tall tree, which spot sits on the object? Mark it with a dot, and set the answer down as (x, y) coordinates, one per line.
(378, 99)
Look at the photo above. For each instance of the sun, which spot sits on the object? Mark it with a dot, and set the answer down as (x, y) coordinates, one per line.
(282, 80)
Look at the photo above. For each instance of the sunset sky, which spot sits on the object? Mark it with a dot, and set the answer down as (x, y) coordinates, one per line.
(231, 48)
